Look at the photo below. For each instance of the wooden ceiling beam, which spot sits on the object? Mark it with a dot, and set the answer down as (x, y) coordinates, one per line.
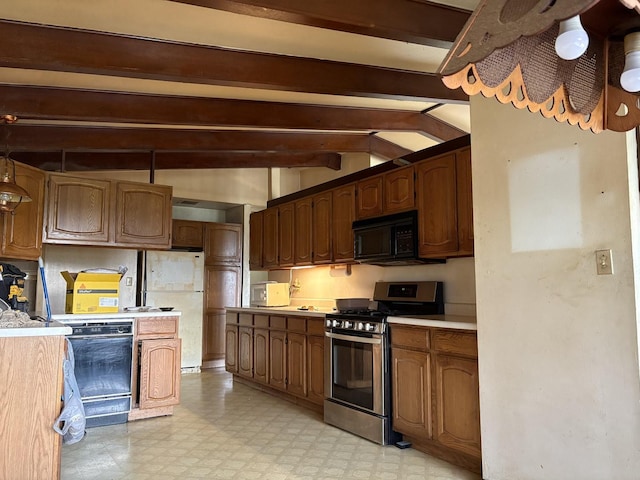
(386, 149)
(404, 20)
(41, 103)
(67, 50)
(167, 160)
(41, 137)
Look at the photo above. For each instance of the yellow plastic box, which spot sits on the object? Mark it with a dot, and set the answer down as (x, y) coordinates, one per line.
(92, 292)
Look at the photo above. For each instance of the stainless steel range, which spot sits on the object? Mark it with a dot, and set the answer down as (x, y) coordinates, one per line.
(357, 366)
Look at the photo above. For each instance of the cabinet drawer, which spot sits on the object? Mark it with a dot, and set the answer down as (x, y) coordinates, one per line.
(279, 323)
(295, 324)
(245, 319)
(315, 326)
(157, 327)
(416, 338)
(452, 341)
(232, 318)
(261, 321)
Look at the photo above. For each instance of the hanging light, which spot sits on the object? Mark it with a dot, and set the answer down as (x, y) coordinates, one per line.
(572, 40)
(11, 194)
(630, 78)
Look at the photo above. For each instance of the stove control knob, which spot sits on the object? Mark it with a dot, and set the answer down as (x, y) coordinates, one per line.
(347, 324)
(328, 323)
(335, 323)
(359, 326)
(368, 327)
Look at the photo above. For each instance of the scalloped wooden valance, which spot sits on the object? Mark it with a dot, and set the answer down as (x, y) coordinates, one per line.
(506, 50)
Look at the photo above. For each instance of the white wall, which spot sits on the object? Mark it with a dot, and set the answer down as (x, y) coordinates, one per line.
(58, 258)
(558, 349)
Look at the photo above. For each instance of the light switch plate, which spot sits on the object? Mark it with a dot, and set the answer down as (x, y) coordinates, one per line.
(604, 262)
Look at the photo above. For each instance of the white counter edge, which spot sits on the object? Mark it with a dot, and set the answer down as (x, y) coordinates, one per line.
(61, 317)
(54, 328)
(424, 322)
(281, 311)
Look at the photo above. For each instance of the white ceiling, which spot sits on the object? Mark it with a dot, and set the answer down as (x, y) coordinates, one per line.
(205, 26)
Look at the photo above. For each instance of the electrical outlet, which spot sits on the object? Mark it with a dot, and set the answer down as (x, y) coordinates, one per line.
(604, 263)
(128, 281)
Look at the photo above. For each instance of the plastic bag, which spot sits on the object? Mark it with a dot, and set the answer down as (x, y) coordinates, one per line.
(71, 422)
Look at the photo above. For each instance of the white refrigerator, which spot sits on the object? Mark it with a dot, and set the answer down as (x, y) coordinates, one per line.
(176, 279)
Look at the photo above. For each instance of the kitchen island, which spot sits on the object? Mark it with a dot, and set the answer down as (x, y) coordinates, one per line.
(31, 371)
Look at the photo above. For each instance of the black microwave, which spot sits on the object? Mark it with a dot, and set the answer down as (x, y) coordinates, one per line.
(389, 240)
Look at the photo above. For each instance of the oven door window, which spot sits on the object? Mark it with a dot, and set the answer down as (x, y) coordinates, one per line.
(103, 365)
(354, 375)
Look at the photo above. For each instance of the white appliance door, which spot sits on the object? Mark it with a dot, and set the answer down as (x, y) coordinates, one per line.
(190, 325)
(174, 271)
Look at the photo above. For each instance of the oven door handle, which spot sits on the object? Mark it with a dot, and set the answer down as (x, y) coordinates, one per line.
(354, 338)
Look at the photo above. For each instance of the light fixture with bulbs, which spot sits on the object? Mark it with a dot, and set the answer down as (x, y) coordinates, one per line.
(572, 40)
(11, 194)
(577, 61)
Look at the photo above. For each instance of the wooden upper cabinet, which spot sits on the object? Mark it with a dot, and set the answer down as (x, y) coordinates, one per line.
(256, 233)
(187, 234)
(437, 210)
(143, 215)
(79, 210)
(343, 214)
(21, 231)
(322, 232)
(398, 190)
(286, 222)
(464, 197)
(270, 244)
(369, 197)
(222, 244)
(303, 221)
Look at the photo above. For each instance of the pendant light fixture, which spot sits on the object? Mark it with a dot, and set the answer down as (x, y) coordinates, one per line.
(11, 194)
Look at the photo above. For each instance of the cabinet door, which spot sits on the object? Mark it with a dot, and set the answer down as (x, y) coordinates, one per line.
(245, 351)
(277, 359)
(261, 355)
(437, 217)
(457, 403)
(411, 390)
(399, 190)
(143, 215)
(159, 372)
(22, 230)
(315, 369)
(297, 364)
(213, 335)
(286, 234)
(464, 197)
(321, 238)
(255, 240)
(78, 210)
(187, 234)
(369, 197)
(343, 213)
(231, 349)
(270, 244)
(223, 244)
(303, 246)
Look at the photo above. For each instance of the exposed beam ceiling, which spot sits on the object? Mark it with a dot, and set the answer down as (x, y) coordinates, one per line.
(101, 97)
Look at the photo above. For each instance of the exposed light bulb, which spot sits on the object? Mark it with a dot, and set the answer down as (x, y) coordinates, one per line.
(572, 40)
(630, 78)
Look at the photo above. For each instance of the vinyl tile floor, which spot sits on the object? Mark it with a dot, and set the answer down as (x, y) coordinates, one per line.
(226, 430)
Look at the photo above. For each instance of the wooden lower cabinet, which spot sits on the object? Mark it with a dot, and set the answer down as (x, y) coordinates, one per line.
(435, 392)
(157, 364)
(278, 359)
(213, 335)
(279, 354)
(412, 392)
(231, 348)
(32, 385)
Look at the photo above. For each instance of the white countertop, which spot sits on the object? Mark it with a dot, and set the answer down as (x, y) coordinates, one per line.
(457, 322)
(61, 317)
(290, 310)
(47, 329)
